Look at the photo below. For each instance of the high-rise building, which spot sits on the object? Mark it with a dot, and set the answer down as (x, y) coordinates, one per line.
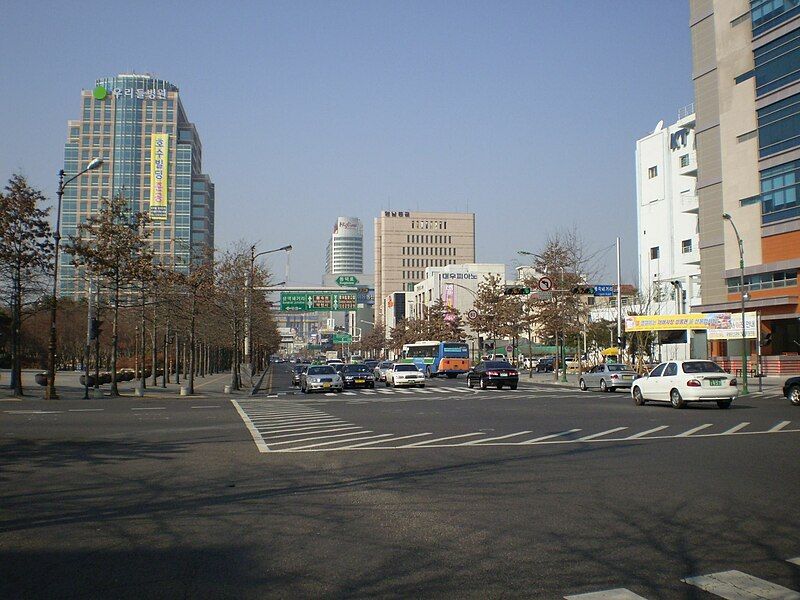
(666, 215)
(747, 93)
(152, 156)
(345, 254)
(408, 242)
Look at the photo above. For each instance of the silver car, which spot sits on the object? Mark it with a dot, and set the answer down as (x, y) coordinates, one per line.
(608, 377)
(381, 369)
(321, 377)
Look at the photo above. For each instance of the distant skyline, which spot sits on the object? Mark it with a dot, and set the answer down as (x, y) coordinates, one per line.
(525, 113)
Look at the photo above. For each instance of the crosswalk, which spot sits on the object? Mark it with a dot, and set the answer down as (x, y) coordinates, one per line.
(383, 394)
(281, 426)
(732, 585)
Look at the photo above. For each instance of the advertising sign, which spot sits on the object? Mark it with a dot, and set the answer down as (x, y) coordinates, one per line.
(733, 328)
(159, 182)
(720, 326)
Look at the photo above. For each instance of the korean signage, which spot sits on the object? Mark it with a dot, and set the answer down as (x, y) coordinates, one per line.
(604, 290)
(101, 93)
(347, 280)
(732, 329)
(159, 183)
(472, 276)
(318, 301)
(720, 326)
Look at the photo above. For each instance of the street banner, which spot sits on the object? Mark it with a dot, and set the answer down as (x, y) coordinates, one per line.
(734, 331)
(159, 183)
(720, 326)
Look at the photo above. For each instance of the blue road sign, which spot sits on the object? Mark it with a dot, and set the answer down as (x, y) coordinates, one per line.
(604, 290)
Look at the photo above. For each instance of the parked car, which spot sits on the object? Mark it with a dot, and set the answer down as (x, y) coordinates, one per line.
(495, 373)
(297, 371)
(682, 381)
(320, 377)
(545, 364)
(382, 369)
(405, 374)
(358, 376)
(608, 377)
(371, 364)
(791, 389)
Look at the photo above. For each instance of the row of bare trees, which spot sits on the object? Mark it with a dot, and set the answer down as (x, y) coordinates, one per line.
(172, 318)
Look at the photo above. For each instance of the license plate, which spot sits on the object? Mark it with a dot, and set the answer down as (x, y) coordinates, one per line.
(359, 381)
(503, 374)
(627, 376)
(715, 382)
(325, 385)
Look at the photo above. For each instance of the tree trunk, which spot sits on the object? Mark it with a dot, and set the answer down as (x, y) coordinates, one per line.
(115, 339)
(143, 346)
(16, 331)
(165, 379)
(177, 358)
(154, 347)
(191, 347)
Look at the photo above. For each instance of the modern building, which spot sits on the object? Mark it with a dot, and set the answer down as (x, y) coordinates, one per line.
(667, 229)
(406, 243)
(152, 156)
(747, 93)
(345, 253)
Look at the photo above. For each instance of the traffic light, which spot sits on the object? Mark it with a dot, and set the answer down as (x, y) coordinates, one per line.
(584, 290)
(622, 340)
(94, 329)
(516, 290)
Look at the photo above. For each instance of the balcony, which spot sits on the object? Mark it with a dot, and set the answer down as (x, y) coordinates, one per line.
(691, 258)
(689, 203)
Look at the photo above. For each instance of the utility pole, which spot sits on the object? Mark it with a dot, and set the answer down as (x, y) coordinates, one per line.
(619, 303)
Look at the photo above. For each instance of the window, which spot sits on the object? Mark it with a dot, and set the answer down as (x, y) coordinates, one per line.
(652, 172)
(686, 246)
(671, 370)
(763, 281)
(685, 160)
(768, 14)
(776, 63)
(779, 126)
(780, 192)
(654, 253)
(657, 371)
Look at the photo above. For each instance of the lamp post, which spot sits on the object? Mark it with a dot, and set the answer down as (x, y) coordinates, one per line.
(50, 391)
(742, 294)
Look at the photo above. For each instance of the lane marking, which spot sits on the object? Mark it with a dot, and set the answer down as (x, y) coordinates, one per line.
(209, 406)
(348, 393)
(298, 422)
(616, 594)
(778, 427)
(385, 391)
(305, 428)
(382, 435)
(442, 439)
(86, 409)
(149, 408)
(695, 430)
(735, 428)
(402, 437)
(260, 443)
(551, 436)
(735, 585)
(597, 435)
(403, 392)
(277, 437)
(794, 561)
(636, 436)
(320, 437)
(493, 439)
(33, 412)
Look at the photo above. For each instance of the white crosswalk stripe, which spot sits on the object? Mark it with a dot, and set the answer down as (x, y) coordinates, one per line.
(735, 585)
(616, 594)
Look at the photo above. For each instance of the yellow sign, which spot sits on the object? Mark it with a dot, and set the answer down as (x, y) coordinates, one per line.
(159, 183)
(677, 322)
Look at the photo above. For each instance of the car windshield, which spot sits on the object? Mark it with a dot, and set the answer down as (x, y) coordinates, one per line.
(499, 364)
(356, 369)
(321, 371)
(385, 365)
(615, 367)
(405, 368)
(702, 366)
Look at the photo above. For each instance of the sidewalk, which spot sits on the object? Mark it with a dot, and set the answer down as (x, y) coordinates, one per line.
(69, 387)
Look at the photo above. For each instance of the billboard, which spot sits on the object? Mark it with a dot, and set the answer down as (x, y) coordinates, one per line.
(720, 326)
(159, 176)
(733, 330)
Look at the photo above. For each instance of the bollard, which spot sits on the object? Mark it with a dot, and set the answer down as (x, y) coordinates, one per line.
(227, 389)
(184, 391)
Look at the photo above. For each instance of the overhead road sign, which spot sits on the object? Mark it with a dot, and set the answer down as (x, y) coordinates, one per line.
(342, 338)
(318, 301)
(604, 290)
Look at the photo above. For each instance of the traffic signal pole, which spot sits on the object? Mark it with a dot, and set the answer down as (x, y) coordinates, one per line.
(619, 305)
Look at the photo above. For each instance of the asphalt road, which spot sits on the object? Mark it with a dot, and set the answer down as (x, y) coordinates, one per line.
(542, 492)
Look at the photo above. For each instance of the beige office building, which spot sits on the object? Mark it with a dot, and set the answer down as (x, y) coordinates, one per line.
(408, 242)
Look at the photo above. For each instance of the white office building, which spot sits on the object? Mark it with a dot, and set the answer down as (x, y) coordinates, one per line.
(345, 253)
(668, 240)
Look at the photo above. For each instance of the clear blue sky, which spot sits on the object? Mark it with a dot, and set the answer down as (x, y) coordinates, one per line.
(526, 112)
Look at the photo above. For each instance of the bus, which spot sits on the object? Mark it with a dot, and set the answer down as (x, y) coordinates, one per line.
(438, 358)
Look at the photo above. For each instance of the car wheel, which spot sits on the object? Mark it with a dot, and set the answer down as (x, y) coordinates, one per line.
(421, 385)
(513, 386)
(794, 395)
(470, 385)
(603, 386)
(638, 399)
(582, 385)
(303, 389)
(372, 386)
(675, 399)
(483, 384)
(724, 403)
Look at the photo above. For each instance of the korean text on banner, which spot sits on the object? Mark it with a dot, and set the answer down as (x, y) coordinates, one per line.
(159, 183)
(733, 331)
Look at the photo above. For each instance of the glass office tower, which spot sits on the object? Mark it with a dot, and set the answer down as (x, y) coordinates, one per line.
(124, 120)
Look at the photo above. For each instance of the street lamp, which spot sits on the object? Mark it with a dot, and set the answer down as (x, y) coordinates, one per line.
(249, 296)
(743, 296)
(50, 391)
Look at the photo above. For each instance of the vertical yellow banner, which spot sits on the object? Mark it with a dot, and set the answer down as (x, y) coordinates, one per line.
(159, 185)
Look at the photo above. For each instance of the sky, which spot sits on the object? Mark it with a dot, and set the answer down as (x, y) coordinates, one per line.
(525, 113)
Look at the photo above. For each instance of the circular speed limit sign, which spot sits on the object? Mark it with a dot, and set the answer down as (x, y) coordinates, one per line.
(473, 314)
(545, 284)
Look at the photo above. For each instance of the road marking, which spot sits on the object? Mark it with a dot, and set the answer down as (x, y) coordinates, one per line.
(616, 594)
(451, 437)
(636, 436)
(735, 428)
(778, 427)
(735, 585)
(33, 412)
(402, 437)
(260, 443)
(794, 561)
(86, 409)
(307, 427)
(403, 392)
(494, 439)
(601, 434)
(288, 422)
(149, 408)
(551, 436)
(276, 437)
(348, 393)
(695, 430)
(368, 392)
(320, 437)
(421, 391)
(385, 391)
(382, 435)
(209, 406)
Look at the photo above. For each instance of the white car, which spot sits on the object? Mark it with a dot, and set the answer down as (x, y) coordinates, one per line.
(320, 377)
(405, 374)
(682, 381)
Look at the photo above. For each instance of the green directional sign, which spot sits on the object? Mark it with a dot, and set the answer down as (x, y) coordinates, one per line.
(321, 301)
(342, 338)
(347, 280)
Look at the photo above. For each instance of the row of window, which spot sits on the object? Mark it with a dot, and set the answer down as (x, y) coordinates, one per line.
(428, 224)
(779, 126)
(429, 239)
(652, 172)
(768, 14)
(686, 248)
(780, 192)
(763, 281)
(428, 251)
(777, 63)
